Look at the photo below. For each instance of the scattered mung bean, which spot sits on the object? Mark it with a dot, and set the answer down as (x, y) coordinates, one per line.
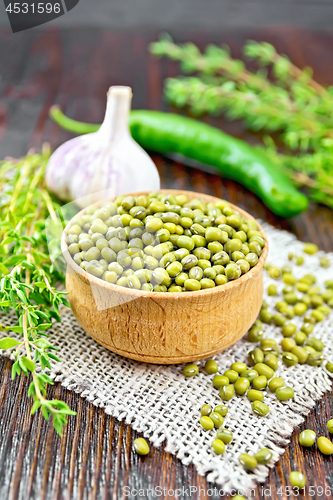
(284, 393)
(217, 419)
(227, 392)
(297, 480)
(224, 434)
(190, 370)
(259, 382)
(221, 409)
(254, 395)
(307, 438)
(141, 446)
(325, 445)
(263, 456)
(275, 383)
(206, 410)
(211, 366)
(218, 446)
(330, 426)
(260, 408)
(207, 423)
(247, 461)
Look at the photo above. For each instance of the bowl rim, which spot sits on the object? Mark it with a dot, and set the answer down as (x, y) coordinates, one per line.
(133, 293)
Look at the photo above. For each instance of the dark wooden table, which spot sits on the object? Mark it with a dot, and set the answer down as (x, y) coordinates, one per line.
(94, 457)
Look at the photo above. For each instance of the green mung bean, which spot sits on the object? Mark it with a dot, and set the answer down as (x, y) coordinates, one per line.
(190, 370)
(280, 304)
(263, 456)
(279, 320)
(276, 383)
(255, 334)
(272, 290)
(217, 419)
(330, 426)
(256, 356)
(324, 262)
(302, 287)
(307, 328)
(288, 329)
(272, 361)
(206, 410)
(289, 358)
(310, 248)
(307, 438)
(141, 446)
(284, 393)
(289, 279)
(220, 381)
(297, 480)
(218, 446)
(259, 382)
(317, 315)
(247, 461)
(301, 354)
(207, 423)
(300, 308)
(291, 298)
(309, 349)
(241, 385)
(329, 367)
(300, 338)
(266, 316)
(260, 408)
(221, 409)
(227, 392)
(299, 260)
(268, 345)
(274, 273)
(288, 344)
(249, 374)
(325, 445)
(232, 375)
(238, 367)
(265, 370)
(255, 395)
(315, 358)
(225, 435)
(317, 344)
(211, 366)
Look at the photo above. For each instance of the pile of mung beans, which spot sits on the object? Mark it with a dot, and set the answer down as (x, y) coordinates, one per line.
(301, 298)
(165, 243)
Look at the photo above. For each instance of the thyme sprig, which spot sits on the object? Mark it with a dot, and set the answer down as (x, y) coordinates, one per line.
(28, 277)
(277, 97)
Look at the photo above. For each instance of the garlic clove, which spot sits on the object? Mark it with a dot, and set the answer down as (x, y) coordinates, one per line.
(103, 164)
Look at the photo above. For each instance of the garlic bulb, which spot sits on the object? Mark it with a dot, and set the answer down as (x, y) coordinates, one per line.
(103, 164)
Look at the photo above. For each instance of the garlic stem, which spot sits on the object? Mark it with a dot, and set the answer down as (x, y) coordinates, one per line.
(117, 112)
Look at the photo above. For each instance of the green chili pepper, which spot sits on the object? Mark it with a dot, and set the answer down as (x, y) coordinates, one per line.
(169, 133)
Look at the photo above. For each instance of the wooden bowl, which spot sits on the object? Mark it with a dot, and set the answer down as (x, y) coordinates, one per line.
(165, 328)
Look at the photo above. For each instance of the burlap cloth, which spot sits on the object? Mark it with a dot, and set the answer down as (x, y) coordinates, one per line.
(163, 405)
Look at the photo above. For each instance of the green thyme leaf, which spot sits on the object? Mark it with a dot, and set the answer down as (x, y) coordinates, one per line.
(8, 343)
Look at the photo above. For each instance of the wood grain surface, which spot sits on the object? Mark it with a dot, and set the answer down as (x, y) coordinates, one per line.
(94, 459)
